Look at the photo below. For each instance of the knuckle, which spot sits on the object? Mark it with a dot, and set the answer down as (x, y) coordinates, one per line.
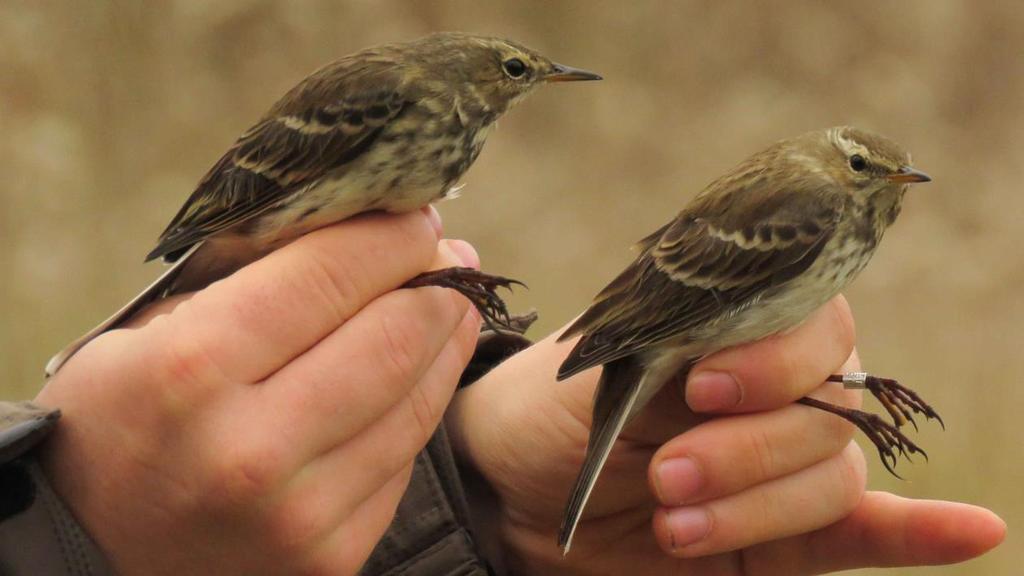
(457, 305)
(425, 414)
(411, 235)
(836, 394)
(466, 338)
(773, 373)
(445, 306)
(296, 525)
(791, 371)
(774, 376)
(189, 362)
(414, 229)
(846, 330)
(337, 283)
(852, 363)
(765, 509)
(851, 476)
(399, 350)
(234, 482)
(762, 458)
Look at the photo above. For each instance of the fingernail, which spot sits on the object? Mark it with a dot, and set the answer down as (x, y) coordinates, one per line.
(687, 526)
(678, 480)
(465, 252)
(435, 220)
(712, 391)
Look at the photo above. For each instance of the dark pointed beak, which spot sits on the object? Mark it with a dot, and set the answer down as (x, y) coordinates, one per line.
(560, 73)
(908, 175)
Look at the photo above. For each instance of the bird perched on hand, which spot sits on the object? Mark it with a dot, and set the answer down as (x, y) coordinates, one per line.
(752, 255)
(389, 128)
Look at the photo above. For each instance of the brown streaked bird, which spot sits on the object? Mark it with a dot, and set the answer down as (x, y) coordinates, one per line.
(389, 128)
(752, 255)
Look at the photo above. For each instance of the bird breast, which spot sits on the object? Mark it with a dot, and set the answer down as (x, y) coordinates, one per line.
(416, 160)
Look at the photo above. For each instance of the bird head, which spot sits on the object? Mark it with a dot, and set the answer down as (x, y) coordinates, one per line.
(493, 72)
(870, 162)
(876, 170)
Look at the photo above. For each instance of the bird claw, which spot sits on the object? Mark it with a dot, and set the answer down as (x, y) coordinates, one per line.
(899, 401)
(890, 442)
(887, 438)
(479, 288)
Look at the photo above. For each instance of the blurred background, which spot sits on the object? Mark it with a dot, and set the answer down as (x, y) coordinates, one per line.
(111, 111)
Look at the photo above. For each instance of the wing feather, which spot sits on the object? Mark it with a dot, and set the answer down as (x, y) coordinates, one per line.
(701, 265)
(314, 131)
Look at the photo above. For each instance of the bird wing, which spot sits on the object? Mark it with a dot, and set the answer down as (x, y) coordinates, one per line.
(322, 124)
(718, 255)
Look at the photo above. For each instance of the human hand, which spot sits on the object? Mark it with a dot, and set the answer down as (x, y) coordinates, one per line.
(770, 487)
(267, 424)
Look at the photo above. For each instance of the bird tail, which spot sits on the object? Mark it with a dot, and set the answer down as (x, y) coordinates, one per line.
(154, 291)
(614, 403)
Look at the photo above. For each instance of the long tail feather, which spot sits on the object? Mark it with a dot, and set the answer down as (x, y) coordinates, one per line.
(154, 291)
(617, 392)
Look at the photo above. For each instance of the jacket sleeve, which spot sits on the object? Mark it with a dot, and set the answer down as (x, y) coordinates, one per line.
(38, 535)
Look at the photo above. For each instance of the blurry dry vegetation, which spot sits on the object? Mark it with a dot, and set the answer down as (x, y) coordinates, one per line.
(110, 112)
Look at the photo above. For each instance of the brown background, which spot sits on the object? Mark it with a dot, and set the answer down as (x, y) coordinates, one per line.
(110, 112)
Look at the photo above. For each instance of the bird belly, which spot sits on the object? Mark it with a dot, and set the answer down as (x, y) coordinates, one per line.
(335, 199)
(786, 306)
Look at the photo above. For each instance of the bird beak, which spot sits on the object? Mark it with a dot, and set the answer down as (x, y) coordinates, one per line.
(908, 175)
(560, 73)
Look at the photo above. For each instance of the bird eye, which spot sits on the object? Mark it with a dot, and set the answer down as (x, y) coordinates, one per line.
(858, 163)
(514, 67)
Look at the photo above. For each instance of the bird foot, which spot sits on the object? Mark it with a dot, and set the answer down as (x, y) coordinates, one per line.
(479, 288)
(887, 438)
(899, 401)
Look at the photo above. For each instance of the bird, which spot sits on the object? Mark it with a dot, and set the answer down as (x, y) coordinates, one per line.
(752, 255)
(389, 128)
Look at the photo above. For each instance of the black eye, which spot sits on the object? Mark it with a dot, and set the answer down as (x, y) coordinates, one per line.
(858, 163)
(514, 67)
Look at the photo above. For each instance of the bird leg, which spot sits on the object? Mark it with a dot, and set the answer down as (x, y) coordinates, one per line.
(886, 437)
(899, 401)
(479, 288)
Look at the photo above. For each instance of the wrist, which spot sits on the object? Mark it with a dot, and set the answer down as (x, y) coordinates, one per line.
(489, 437)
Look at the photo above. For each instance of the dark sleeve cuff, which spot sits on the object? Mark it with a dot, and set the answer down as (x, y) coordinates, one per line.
(23, 425)
(38, 535)
(45, 539)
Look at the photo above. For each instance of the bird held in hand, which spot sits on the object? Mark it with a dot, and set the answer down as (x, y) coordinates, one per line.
(752, 255)
(389, 128)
